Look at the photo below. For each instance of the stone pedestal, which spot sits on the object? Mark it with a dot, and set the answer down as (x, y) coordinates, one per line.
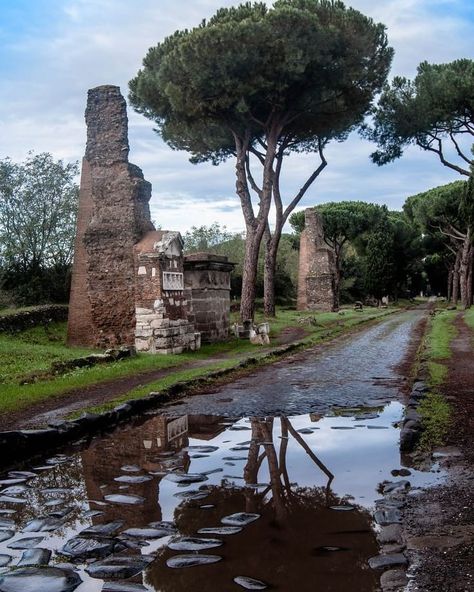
(317, 268)
(207, 284)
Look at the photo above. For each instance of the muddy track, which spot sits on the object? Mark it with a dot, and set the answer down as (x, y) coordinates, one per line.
(440, 523)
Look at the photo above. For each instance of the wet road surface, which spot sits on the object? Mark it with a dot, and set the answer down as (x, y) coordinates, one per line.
(218, 501)
(361, 370)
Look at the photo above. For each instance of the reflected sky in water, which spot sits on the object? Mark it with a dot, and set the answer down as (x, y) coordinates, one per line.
(291, 471)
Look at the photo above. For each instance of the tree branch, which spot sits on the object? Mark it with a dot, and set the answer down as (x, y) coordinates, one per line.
(439, 152)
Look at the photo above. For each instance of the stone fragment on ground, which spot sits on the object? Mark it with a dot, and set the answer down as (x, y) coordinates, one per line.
(191, 560)
(391, 533)
(26, 543)
(130, 500)
(86, 547)
(118, 566)
(35, 556)
(390, 560)
(36, 579)
(393, 580)
(240, 519)
(250, 583)
(193, 544)
(123, 587)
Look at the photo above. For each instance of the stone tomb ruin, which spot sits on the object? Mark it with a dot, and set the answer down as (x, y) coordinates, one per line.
(131, 284)
(317, 268)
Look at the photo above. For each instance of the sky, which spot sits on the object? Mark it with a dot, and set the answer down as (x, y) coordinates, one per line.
(53, 51)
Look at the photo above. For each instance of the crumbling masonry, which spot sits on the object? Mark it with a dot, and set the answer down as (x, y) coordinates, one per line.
(128, 280)
(317, 267)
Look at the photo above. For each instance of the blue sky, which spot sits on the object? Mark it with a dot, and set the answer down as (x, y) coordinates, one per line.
(52, 51)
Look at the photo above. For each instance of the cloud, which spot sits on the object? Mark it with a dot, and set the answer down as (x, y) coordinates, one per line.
(52, 52)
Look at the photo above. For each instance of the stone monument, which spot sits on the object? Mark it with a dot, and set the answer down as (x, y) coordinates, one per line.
(113, 216)
(130, 283)
(164, 318)
(317, 268)
(207, 282)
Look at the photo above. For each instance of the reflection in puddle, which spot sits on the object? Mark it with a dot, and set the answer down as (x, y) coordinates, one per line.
(201, 503)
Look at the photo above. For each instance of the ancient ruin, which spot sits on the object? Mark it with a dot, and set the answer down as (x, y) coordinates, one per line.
(207, 283)
(317, 267)
(164, 321)
(131, 284)
(113, 216)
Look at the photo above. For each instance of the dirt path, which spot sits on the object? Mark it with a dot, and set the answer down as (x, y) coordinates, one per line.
(440, 522)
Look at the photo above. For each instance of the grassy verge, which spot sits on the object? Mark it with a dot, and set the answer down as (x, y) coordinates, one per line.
(469, 318)
(35, 349)
(435, 411)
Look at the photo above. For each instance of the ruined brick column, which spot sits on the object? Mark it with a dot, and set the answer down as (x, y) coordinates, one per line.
(317, 267)
(113, 216)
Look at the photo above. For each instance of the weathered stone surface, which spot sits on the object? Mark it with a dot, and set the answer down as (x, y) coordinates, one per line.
(36, 579)
(85, 547)
(240, 519)
(164, 319)
(250, 583)
(119, 566)
(6, 534)
(36, 556)
(207, 285)
(113, 216)
(123, 587)
(390, 534)
(317, 268)
(193, 544)
(393, 579)
(26, 543)
(191, 560)
(381, 561)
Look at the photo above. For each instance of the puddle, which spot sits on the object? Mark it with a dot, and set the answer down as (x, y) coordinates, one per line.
(205, 503)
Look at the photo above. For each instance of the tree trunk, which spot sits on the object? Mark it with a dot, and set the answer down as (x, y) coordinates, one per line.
(271, 251)
(255, 225)
(469, 278)
(455, 291)
(464, 266)
(450, 284)
(249, 274)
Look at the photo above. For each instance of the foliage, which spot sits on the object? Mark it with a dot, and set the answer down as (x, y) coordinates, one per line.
(258, 83)
(205, 238)
(436, 108)
(348, 228)
(379, 261)
(38, 203)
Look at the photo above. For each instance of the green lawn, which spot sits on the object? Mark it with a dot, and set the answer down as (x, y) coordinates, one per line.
(35, 349)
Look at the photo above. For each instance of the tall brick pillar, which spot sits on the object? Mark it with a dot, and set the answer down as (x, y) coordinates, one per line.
(113, 216)
(317, 267)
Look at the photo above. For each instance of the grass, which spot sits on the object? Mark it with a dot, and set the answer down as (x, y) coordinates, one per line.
(35, 349)
(469, 318)
(436, 416)
(32, 350)
(435, 411)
